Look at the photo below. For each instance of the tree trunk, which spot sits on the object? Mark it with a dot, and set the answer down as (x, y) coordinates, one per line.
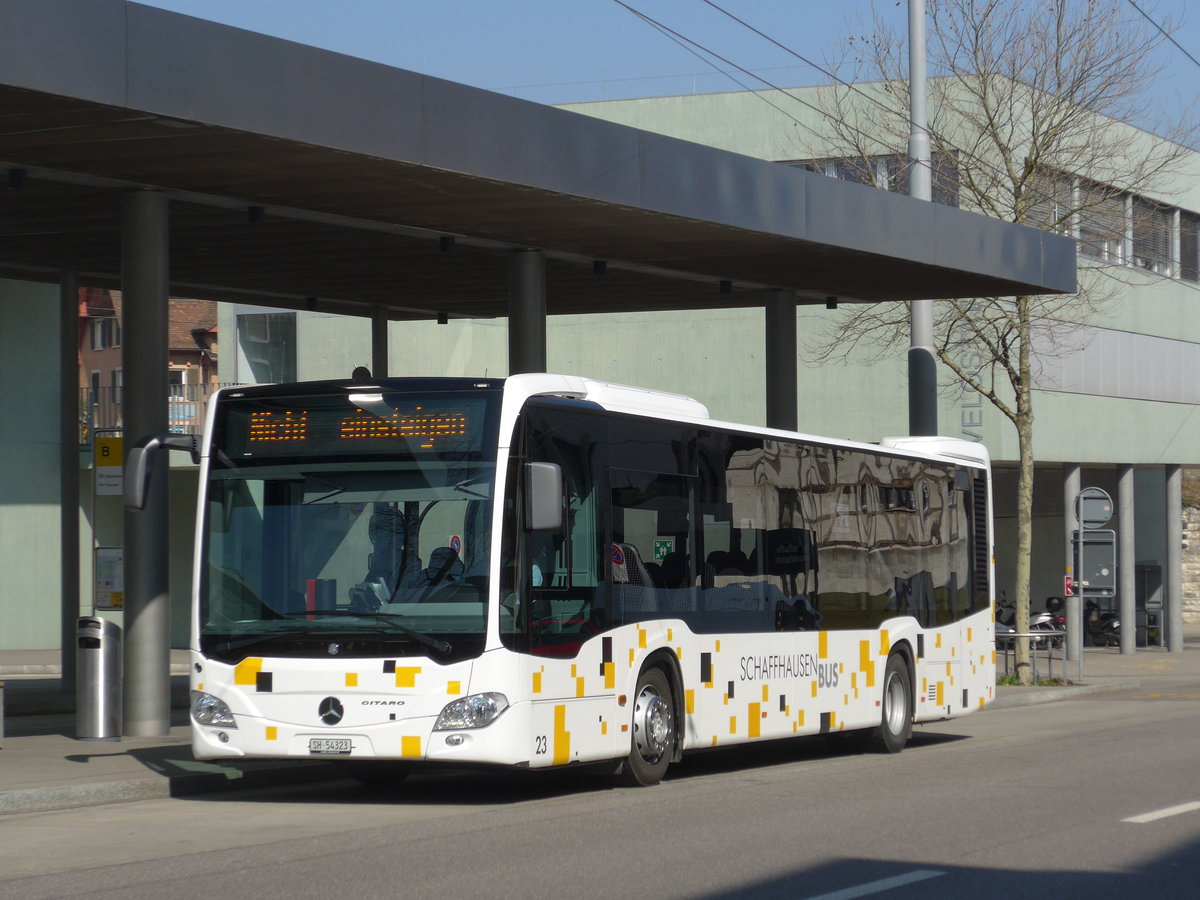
(1024, 423)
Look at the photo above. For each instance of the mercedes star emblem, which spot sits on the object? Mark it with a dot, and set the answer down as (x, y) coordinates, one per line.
(331, 710)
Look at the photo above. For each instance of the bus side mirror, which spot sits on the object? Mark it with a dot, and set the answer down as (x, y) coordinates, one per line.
(543, 497)
(139, 464)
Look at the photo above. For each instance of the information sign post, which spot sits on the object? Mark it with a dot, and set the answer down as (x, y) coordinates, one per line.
(1095, 566)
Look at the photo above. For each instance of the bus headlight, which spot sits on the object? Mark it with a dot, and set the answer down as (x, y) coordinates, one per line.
(210, 710)
(474, 711)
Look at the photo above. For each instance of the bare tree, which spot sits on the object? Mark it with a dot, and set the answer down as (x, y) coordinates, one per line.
(1028, 104)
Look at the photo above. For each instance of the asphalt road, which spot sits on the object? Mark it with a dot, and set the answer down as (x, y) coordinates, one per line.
(1031, 802)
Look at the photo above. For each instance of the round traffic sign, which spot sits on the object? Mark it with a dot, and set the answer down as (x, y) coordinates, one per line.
(1093, 507)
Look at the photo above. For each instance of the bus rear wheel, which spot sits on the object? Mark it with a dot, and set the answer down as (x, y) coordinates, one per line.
(896, 716)
(653, 730)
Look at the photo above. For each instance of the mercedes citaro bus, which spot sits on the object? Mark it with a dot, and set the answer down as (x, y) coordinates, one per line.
(546, 570)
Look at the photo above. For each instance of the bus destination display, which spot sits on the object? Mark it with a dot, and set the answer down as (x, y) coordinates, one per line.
(333, 425)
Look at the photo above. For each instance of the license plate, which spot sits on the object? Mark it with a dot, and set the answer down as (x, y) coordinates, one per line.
(323, 746)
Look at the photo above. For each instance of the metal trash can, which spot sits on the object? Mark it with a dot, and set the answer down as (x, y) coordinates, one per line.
(97, 680)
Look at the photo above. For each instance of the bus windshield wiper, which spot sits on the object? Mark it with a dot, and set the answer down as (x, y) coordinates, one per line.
(268, 637)
(425, 640)
(463, 487)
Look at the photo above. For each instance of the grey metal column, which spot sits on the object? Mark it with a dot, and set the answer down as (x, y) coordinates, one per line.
(780, 340)
(1071, 481)
(1126, 564)
(1173, 574)
(68, 466)
(922, 363)
(144, 288)
(526, 311)
(379, 342)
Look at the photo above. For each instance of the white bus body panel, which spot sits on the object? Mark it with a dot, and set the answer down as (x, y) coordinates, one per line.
(734, 687)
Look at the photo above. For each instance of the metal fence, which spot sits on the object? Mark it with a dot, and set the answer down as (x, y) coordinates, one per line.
(1041, 643)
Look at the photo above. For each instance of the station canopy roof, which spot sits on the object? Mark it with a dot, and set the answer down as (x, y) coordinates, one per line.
(307, 179)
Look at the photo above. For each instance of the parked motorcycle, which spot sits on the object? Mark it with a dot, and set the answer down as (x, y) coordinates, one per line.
(1006, 623)
(1103, 628)
(1052, 619)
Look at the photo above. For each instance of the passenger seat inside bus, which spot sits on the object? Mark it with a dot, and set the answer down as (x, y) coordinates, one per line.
(635, 591)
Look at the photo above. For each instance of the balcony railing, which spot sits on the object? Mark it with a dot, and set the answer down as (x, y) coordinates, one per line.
(102, 409)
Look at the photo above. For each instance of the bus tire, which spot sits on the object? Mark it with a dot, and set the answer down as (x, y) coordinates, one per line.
(896, 716)
(653, 738)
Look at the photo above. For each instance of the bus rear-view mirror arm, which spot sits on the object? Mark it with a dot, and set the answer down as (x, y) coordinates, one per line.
(139, 464)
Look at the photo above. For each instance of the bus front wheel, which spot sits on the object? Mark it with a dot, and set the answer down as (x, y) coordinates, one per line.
(896, 718)
(653, 730)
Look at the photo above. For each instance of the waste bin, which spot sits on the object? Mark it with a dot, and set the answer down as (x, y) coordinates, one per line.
(97, 680)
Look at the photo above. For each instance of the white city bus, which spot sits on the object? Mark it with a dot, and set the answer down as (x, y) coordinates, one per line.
(547, 570)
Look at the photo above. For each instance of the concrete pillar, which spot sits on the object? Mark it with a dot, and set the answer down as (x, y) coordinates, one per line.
(922, 378)
(68, 353)
(1126, 560)
(780, 355)
(379, 342)
(1173, 570)
(922, 363)
(526, 311)
(1071, 482)
(144, 290)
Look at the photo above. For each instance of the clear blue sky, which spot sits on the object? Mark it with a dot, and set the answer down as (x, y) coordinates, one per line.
(561, 50)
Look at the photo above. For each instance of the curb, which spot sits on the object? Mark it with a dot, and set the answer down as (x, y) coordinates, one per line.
(151, 787)
(1053, 695)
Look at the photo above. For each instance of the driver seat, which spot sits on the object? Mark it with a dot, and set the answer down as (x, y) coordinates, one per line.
(444, 567)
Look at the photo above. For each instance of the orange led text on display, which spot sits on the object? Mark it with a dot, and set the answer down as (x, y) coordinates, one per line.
(278, 427)
(424, 428)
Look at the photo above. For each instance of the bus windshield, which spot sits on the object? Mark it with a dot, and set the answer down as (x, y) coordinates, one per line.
(348, 524)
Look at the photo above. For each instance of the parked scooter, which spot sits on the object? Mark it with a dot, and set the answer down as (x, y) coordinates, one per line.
(1006, 623)
(1103, 628)
(1052, 619)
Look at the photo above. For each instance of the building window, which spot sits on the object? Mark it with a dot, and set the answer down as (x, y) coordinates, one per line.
(890, 172)
(1051, 203)
(1102, 222)
(106, 333)
(266, 347)
(1152, 236)
(858, 170)
(1189, 246)
(944, 179)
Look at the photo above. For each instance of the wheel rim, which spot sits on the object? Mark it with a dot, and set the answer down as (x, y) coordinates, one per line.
(895, 713)
(652, 724)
